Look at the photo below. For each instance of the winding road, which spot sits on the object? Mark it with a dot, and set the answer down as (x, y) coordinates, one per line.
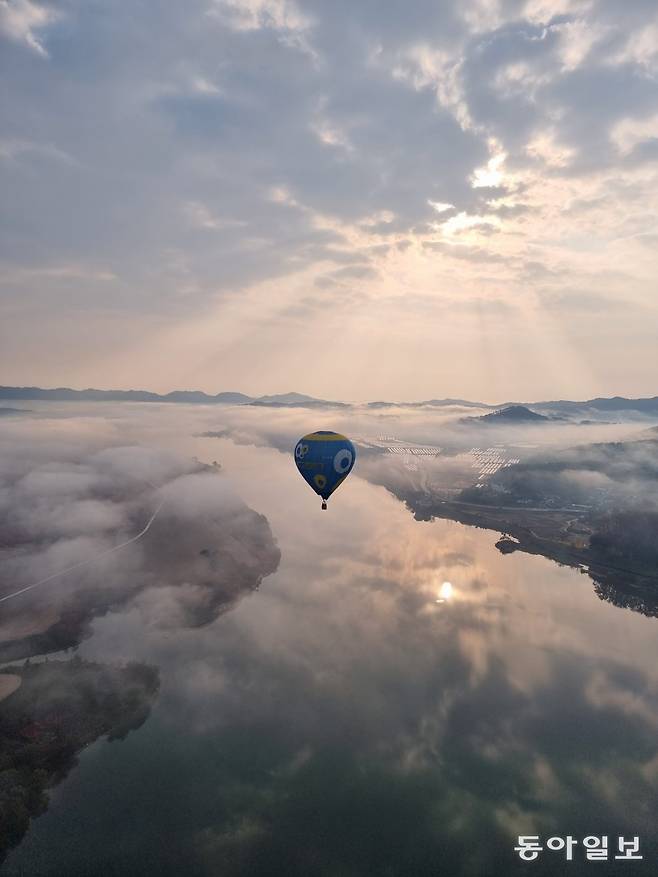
(89, 560)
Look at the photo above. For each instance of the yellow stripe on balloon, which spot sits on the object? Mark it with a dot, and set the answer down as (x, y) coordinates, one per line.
(324, 437)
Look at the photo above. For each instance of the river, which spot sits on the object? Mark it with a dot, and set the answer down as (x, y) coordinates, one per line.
(397, 699)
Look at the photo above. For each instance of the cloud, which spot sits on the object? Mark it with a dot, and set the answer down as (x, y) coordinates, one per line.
(204, 549)
(345, 694)
(281, 15)
(21, 20)
(200, 217)
(222, 154)
(426, 726)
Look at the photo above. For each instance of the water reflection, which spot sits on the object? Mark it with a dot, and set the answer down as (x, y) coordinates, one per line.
(628, 592)
(339, 721)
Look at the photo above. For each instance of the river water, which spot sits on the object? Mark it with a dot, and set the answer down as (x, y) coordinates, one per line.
(397, 699)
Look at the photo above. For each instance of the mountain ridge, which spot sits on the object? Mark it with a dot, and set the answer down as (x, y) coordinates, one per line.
(642, 405)
(509, 414)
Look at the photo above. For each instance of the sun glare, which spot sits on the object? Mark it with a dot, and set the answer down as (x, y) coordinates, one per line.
(445, 592)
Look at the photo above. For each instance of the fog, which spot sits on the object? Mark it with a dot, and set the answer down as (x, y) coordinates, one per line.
(69, 501)
(346, 713)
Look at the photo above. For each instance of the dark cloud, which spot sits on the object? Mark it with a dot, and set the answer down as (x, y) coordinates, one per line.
(185, 108)
(591, 100)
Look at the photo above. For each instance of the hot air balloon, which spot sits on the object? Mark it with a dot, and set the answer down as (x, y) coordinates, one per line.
(324, 459)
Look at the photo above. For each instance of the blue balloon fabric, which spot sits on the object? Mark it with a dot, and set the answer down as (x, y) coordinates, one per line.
(324, 459)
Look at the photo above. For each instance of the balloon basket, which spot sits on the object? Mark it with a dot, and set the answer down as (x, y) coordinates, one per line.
(324, 505)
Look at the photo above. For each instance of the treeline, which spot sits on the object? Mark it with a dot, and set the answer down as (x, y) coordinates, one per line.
(628, 538)
(60, 707)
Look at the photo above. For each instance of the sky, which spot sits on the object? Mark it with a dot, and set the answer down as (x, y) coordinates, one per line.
(355, 200)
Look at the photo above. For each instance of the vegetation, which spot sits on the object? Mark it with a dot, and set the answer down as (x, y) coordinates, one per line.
(628, 537)
(59, 708)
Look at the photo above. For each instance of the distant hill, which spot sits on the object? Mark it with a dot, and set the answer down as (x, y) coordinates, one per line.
(432, 403)
(554, 409)
(285, 399)
(520, 412)
(647, 406)
(65, 394)
(509, 415)
(10, 412)
(459, 403)
(514, 413)
(198, 396)
(296, 400)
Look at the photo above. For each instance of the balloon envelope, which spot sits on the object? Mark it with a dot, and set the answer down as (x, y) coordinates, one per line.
(324, 459)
